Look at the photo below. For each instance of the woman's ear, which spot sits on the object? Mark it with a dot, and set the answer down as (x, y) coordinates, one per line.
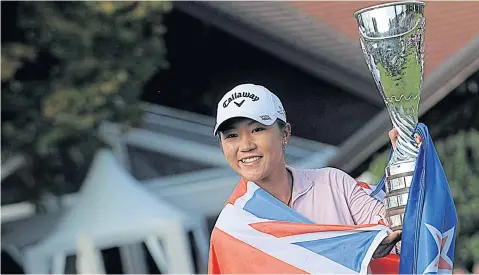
(287, 133)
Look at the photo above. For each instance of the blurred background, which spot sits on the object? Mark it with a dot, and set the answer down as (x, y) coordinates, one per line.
(109, 164)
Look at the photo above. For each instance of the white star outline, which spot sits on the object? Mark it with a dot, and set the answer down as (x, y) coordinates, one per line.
(434, 265)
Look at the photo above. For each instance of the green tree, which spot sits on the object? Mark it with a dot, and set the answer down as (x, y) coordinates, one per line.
(459, 155)
(74, 65)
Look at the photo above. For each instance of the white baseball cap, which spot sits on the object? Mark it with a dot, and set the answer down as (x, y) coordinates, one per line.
(250, 101)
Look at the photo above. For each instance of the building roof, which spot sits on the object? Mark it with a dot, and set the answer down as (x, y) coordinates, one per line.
(449, 25)
(322, 38)
(292, 36)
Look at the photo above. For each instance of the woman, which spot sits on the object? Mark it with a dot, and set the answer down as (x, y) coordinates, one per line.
(253, 131)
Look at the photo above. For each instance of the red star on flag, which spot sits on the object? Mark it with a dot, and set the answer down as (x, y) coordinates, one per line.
(441, 264)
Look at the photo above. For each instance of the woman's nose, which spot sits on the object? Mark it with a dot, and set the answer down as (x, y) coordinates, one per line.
(247, 144)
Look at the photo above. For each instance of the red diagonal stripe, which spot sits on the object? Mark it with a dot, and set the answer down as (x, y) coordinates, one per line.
(283, 229)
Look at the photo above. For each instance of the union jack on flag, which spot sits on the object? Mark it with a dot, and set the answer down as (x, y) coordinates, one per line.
(256, 233)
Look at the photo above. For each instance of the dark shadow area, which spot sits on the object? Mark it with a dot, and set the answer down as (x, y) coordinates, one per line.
(206, 62)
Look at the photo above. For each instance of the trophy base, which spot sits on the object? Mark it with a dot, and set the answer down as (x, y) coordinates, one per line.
(398, 180)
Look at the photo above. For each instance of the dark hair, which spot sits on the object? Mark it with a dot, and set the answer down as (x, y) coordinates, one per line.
(228, 124)
(281, 124)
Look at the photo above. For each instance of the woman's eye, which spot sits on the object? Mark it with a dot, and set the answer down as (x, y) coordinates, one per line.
(230, 135)
(258, 129)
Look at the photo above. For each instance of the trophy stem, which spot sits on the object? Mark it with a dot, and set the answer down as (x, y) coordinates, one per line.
(406, 146)
(398, 180)
(399, 171)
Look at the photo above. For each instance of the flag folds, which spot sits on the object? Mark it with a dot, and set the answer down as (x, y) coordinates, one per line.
(256, 233)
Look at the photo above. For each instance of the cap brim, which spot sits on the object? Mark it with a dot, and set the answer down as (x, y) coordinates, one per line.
(267, 122)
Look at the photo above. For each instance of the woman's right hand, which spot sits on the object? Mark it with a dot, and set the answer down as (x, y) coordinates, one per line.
(394, 135)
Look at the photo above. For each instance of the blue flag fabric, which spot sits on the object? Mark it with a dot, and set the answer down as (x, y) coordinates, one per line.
(429, 229)
(429, 233)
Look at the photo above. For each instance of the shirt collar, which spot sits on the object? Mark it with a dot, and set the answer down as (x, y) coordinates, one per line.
(301, 182)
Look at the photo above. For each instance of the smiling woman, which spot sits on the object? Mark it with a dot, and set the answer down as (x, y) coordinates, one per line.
(253, 131)
(254, 150)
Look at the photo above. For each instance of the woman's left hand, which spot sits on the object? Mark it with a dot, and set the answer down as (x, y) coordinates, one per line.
(387, 244)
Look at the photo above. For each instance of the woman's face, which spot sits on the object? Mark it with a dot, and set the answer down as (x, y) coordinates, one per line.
(253, 149)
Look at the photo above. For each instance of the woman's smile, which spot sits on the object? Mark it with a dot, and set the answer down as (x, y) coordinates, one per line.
(249, 161)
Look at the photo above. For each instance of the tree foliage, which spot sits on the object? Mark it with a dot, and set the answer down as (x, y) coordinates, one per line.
(74, 65)
(459, 155)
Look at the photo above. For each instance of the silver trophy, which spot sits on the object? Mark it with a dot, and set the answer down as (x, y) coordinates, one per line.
(392, 40)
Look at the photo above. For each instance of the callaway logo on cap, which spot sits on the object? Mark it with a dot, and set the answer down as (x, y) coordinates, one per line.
(250, 101)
